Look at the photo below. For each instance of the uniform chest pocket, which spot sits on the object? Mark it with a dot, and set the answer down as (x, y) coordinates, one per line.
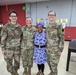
(53, 33)
(11, 33)
(27, 35)
(17, 32)
(14, 33)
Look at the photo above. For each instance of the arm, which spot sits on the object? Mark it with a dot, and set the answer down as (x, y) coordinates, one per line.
(61, 39)
(3, 40)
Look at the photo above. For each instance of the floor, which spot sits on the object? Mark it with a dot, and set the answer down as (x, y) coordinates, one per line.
(61, 65)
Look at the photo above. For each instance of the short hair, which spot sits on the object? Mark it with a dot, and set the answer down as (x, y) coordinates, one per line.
(13, 12)
(30, 18)
(52, 11)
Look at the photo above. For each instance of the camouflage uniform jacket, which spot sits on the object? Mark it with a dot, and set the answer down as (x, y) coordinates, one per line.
(10, 36)
(55, 36)
(28, 37)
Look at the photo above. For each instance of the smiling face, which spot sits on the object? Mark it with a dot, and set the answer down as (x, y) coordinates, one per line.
(39, 28)
(29, 22)
(51, 16)
(13, 17)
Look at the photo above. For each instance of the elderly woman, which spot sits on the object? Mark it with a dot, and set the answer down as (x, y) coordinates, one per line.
(40, 48)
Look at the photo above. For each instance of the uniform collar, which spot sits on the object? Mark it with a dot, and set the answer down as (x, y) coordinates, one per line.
(13, 25)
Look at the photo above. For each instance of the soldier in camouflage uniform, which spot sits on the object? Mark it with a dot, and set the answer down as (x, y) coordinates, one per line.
(27, 46)
(10, 43)
(55, 42)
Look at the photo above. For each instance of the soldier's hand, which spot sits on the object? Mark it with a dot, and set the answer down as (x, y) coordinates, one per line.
(59, 53)
(4, 52)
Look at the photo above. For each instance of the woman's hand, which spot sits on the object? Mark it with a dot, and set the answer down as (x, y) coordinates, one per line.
(59, 53)
(4, 52)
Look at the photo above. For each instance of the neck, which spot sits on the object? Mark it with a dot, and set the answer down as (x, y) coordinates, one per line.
(40, 31)
(29, 26)
(52, 21)
(13, 22)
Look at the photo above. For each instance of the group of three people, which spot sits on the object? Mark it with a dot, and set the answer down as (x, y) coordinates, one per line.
(29, 42)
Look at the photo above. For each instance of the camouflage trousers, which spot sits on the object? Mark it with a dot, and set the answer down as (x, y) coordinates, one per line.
(12, 59)
(27, 58)
(53, 59)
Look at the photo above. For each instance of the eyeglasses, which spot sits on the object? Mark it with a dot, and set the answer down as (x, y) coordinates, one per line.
(13, 16)
(51, 15)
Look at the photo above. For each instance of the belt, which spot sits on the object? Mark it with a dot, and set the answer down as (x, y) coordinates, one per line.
(40, 46)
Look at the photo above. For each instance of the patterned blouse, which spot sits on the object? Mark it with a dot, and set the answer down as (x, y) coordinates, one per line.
(40, 52)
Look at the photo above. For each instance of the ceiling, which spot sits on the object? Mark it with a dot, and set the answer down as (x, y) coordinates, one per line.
(10, 2)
